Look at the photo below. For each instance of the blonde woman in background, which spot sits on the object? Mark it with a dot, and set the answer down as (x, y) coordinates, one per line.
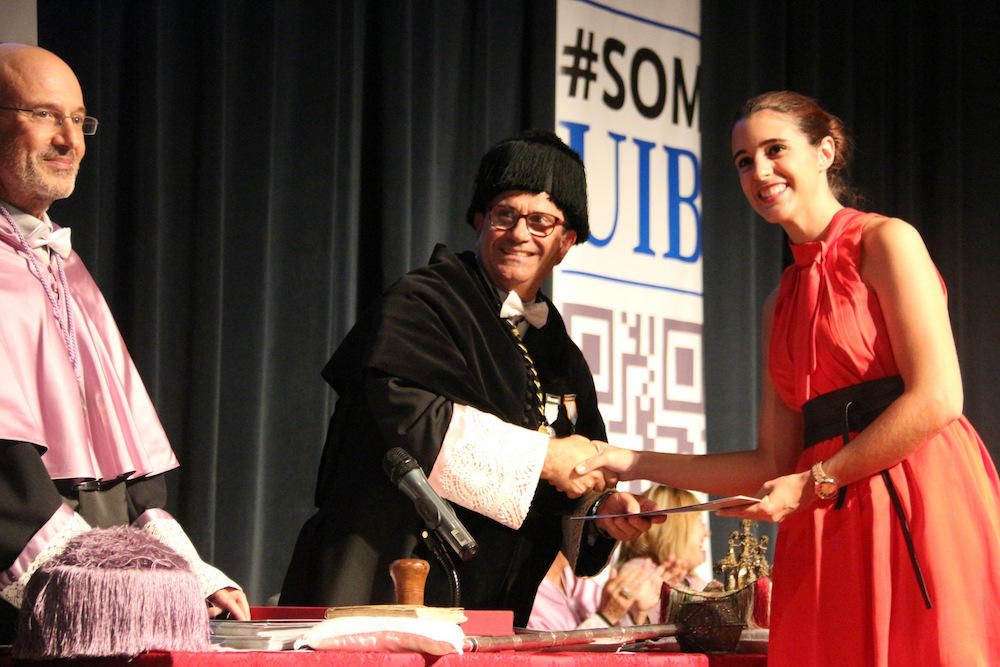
(628, 591)
(680, 539)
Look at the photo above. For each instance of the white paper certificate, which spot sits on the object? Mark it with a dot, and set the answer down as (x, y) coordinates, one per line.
(710, 506)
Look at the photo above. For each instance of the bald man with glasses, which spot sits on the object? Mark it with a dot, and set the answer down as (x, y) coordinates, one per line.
(81, 445)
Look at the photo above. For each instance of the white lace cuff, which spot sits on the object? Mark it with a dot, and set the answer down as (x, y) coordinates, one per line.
(46, 544)
(165, 528)
(489, 466)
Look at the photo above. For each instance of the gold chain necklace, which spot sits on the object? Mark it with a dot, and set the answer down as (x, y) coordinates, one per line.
(537, 395)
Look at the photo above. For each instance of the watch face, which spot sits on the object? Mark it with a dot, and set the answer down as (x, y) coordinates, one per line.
(826, 490)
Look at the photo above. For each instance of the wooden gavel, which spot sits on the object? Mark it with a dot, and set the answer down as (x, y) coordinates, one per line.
(409, 576)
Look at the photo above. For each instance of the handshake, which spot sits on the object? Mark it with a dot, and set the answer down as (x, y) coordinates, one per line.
(576, 465)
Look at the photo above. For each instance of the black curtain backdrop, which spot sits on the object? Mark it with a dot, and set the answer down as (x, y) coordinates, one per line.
(264, 169)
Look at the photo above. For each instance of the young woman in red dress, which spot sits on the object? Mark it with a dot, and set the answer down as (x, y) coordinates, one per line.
(888, 501)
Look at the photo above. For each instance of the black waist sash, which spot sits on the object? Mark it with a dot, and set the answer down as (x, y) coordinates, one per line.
(851, 410)
(101, 504)
(848, 410)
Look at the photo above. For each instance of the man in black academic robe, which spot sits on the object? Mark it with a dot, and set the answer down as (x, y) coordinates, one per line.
(460, 365)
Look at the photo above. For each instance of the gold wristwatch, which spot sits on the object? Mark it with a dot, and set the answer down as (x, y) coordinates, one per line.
(824, 486)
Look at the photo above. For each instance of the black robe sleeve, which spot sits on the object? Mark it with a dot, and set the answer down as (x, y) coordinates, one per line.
(146, 493)
(417, 420)
(408, 416)
(28, 498)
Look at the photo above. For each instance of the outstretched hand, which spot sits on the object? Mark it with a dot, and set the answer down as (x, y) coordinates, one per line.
(779, 498)
(627, 527)
(613, 461)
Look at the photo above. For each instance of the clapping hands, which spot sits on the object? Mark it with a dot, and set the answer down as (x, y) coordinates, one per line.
(634, 589)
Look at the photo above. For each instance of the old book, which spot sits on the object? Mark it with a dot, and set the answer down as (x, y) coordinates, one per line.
(257, 635)
(453, 614)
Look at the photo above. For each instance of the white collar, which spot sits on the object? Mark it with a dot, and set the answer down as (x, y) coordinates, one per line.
(37, 231)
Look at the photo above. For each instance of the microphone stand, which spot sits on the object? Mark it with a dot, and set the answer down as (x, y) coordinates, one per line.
(436, 545)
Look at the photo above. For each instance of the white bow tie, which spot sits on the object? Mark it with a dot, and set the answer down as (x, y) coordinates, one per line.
(536, 313)
(58, 241)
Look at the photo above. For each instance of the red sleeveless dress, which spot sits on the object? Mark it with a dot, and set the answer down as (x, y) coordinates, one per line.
(845, 592)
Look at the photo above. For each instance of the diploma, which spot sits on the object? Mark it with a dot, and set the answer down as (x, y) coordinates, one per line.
(710, 506)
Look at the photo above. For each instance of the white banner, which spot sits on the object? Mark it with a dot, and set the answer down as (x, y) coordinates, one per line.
(19, 22)
(627, 99)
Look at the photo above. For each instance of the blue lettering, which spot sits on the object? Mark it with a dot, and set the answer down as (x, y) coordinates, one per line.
(596, 240)
(675, 200)
(642, 207)
(577, 131)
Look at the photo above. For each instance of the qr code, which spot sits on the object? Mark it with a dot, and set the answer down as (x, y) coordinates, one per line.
(648, 374)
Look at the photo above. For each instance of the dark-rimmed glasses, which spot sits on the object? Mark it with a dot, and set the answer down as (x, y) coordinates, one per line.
(539, 224)
(86, 124)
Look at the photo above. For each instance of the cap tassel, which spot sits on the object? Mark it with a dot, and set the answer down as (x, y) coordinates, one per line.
(113, 592)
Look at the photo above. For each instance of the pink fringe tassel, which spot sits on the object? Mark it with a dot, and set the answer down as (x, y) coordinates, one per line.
(112, 592)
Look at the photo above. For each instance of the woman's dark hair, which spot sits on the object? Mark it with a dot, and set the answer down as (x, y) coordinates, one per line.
(816, 123)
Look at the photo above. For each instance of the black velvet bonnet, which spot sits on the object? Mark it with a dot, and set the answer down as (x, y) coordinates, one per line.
(534, 161)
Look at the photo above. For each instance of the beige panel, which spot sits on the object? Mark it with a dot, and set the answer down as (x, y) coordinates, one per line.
(20, 21)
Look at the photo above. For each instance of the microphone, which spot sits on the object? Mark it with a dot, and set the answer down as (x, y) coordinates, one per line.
(405, 473)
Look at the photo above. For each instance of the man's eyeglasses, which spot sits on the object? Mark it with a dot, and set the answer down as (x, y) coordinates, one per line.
(86, 124)
(539, 224)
